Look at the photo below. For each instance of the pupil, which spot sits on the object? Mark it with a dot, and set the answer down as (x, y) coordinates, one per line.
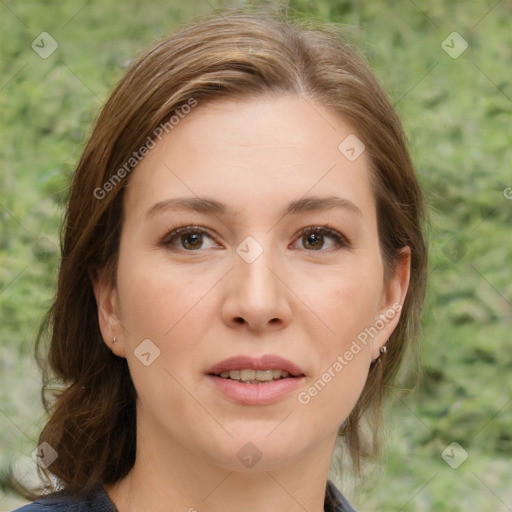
(196, 241)
(314, 240)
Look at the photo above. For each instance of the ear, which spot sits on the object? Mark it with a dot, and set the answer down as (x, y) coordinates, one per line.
(392, 301)
(107, 302)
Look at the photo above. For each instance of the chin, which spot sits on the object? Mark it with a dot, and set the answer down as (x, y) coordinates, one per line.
(256, 453)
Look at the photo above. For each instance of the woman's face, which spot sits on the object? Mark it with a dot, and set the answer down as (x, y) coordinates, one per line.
(264, 272)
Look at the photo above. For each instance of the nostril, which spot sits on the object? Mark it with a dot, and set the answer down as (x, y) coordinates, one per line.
(239, 320)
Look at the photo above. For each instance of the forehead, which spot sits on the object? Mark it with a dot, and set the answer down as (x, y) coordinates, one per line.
(259, 151)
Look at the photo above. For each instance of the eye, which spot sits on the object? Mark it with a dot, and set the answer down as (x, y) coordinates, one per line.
(314, 237)
(192, 238)
(189, 238)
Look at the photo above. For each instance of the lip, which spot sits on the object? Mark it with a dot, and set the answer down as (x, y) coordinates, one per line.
(256, 394)
(266, 362)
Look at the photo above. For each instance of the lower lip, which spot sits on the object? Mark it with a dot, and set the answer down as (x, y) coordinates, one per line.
(256, 394)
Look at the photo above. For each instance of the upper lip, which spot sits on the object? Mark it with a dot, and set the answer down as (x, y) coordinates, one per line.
(266, 362)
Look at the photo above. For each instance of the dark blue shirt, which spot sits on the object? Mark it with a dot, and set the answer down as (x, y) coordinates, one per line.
(97, 500)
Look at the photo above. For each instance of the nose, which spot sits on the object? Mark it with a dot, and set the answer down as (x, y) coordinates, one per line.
(256, 296)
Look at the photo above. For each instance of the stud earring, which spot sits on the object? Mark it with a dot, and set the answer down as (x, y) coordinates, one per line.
(382, 350)
(114, 341)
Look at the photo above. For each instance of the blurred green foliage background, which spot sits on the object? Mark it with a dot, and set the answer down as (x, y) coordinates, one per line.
(456, 113)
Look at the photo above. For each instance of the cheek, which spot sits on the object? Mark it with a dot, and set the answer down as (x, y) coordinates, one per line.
(174, 311)
(348, 306)
(343, 360)
(349, 303)
(166, 307)
(155, 301)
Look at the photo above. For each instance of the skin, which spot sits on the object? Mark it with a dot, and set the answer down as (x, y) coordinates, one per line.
(303, 303)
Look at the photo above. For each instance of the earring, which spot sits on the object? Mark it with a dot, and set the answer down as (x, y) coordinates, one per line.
(114, 341)
(382, 350)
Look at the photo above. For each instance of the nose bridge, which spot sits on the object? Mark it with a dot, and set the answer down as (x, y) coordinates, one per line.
(256, 293)
(252, 264)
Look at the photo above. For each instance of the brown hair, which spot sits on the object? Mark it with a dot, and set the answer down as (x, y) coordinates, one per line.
(91, 421)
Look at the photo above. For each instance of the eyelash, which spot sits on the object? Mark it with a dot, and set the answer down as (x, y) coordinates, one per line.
(340, 239)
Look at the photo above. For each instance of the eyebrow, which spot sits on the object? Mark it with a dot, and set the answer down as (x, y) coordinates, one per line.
(205, 205)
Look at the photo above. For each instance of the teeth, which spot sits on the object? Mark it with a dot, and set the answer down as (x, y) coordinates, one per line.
(264, 375)
(245, 375)
(253, 376)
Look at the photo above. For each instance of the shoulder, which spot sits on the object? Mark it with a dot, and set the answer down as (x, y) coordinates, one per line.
(97, 500)
(34, 507)
(47, 505)
(335, 501)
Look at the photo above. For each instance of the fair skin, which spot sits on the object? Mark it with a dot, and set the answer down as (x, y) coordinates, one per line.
(301, 301)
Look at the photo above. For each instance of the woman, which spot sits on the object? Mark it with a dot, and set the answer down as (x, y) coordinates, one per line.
(243, 266)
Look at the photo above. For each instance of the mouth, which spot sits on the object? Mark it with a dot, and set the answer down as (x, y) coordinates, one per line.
(254, 370)
(248, 386)
(249, 376)
(256, 381)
